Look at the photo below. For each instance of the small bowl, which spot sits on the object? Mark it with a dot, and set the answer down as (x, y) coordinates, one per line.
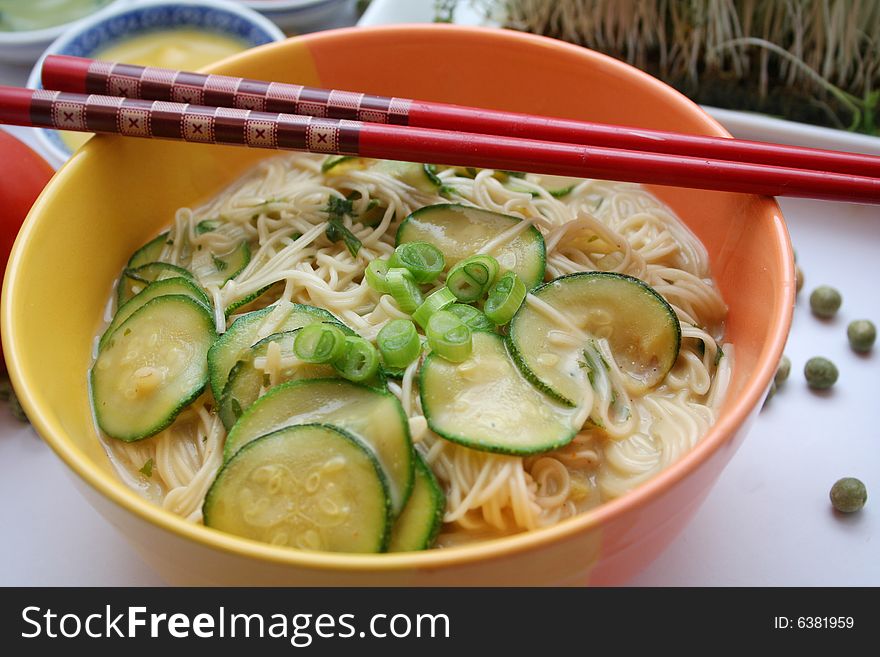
(115, 193)
(25, 47)
(129, 19)
(297, 15)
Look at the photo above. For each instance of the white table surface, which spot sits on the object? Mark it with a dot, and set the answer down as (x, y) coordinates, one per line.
(767, 521)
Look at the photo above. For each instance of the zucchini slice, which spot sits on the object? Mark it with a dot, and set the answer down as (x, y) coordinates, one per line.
(229, 265)
(336, 165)
(375, 417)
(548, 333)
(176, 285)
(245, 331)
(460, 231)
(134, 280)
(243, 305)
(310, 487)
(486, 404)
(556, 186)
(422, 517)
(152, 367)
(246, 381)
(149, 252)
(422, 177)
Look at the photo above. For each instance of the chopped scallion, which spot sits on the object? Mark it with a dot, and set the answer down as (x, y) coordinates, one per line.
(449, 336)
(399, 343)
(424, 261)
(437, 300)
(402, 286)
(470, 278)
(359, 360)
(505, 298)
(319, 343)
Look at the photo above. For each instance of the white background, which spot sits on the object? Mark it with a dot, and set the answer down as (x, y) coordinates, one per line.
(767, 522)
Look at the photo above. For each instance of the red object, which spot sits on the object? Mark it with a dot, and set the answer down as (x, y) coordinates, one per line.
(79, 75)
(23, 174)
(223, 125)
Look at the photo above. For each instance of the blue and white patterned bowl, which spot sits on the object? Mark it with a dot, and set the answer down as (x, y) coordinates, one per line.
(122, 21)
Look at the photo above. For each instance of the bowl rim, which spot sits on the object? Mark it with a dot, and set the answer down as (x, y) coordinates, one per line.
(112, 11)
(718, 435)
(278, 6)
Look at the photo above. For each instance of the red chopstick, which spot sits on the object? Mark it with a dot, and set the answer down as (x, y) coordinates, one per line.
(78, 75)
(224, 125)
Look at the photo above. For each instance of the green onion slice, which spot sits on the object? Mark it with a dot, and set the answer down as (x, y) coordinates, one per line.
(474, 318)
(319, 343)
(437, 300)
(424, 261)
(375, 275)
(470, 278)
(449, 336)
(359, 360)
(402, 286)
(505, 298)
(399, 343)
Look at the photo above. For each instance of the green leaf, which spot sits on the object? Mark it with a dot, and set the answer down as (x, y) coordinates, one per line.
(147, 470)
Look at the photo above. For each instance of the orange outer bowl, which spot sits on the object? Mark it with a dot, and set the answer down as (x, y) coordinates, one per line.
(116, 193)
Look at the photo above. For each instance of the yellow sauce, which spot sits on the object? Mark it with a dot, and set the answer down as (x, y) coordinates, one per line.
(185, 50)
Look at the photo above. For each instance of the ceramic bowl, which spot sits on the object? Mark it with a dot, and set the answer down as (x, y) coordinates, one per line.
(115, 193)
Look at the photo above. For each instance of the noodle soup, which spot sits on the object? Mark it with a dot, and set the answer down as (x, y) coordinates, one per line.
(544, 345)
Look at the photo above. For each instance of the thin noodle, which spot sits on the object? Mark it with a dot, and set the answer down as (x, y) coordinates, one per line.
(627, 437)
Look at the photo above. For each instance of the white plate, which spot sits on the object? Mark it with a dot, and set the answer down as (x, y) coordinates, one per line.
(766, 522)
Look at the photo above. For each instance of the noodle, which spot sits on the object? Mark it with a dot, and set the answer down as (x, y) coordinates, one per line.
(598, 225)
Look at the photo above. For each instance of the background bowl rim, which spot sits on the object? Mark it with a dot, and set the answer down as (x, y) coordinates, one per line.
(719, 434)
(48, 34)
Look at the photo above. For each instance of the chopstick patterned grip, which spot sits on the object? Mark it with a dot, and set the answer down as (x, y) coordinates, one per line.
(114, 79)
(194, 123)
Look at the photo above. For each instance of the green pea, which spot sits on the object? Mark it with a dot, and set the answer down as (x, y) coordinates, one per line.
(782, 371)
(798, 277)
(861, 333)
(770, 393)
(820, 373)
(848, 495)
(825, 301)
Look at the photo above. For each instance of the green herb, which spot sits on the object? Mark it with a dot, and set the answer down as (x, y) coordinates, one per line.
(820, 373)
(337, 209)
(206, 226)
(848, 495)
(861, 334)
(236, 408)
(147, 470)
(825, 301)
(719, 353)
(219, 263)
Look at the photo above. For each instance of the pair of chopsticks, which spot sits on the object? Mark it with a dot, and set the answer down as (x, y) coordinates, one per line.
(136, 101)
